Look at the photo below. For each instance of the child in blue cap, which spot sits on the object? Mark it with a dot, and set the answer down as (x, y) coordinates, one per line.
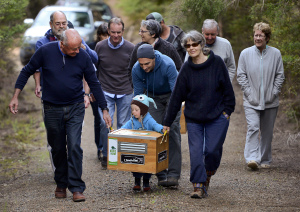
(142, 120)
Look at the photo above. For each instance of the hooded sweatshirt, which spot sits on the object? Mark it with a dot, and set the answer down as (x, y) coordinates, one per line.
(148, 124)
(161, 80)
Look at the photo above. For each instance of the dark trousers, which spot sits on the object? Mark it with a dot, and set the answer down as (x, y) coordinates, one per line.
(97, 125)
(162, 102)
(64, 127)
(140, 175)
(214, 134)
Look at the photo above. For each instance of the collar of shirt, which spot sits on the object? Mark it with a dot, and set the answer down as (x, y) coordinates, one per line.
(60, 49)
(115, 47)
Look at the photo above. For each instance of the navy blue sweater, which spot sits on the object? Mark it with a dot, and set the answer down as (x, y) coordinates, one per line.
(62, 75)
(206, 90)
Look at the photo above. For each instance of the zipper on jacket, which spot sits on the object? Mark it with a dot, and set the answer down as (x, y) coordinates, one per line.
(262, 95)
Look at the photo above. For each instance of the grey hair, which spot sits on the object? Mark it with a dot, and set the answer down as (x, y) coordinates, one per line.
(116, 20)
(64, 38)
(152, 26)
(196, 37)
(52, 14)
(209, 24)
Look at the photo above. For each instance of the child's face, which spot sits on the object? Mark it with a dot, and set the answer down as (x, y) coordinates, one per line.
(136, 111)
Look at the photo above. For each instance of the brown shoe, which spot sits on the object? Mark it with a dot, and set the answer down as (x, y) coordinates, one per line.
(60, 193)
(78, 197)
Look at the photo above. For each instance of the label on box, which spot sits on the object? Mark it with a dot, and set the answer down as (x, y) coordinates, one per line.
(162, 156)
(113, 152)
(133, 159)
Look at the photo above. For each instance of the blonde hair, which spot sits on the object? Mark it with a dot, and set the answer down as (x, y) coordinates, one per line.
(265, 28)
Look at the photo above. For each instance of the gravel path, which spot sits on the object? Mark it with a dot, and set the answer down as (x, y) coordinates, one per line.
(233, 188)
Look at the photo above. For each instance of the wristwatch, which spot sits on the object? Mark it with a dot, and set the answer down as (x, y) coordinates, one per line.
(87, 94)
(105, 109)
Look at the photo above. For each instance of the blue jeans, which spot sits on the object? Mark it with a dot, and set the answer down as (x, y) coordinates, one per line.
(103, 133)
(214, 132)
(64, 126)
(123, 108)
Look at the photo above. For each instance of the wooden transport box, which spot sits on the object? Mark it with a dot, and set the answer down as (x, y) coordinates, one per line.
(137, 151)
(182, 120)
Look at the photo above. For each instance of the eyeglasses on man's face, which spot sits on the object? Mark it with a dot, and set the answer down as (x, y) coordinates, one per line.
(259, 36)
(142, 31)
(193, 45)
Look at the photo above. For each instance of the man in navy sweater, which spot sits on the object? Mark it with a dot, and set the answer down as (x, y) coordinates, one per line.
(64, 65)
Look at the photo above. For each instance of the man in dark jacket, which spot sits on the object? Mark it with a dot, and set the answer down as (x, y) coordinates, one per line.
(172, 33)
(64, 65)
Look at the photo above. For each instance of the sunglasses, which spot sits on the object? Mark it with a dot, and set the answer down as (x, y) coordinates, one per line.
(193, 45)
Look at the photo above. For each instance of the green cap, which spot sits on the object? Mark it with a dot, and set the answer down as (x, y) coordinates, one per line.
(155, 16)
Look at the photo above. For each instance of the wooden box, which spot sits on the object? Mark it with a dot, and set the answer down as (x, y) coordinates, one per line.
(182, 120)
(137, 151)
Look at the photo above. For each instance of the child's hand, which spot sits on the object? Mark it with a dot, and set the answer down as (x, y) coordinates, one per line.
(165, 128)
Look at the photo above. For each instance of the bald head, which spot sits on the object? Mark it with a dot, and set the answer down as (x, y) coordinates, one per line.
(70, 42)
(58, 23)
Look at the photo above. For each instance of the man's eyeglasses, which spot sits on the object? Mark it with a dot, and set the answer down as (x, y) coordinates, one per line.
(193, 45)
(259, 36)
(142, 31)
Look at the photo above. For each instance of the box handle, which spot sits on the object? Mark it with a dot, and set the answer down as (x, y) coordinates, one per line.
(164, 137)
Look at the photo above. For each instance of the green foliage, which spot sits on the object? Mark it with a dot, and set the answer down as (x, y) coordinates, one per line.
(12, 14)
(137, 10)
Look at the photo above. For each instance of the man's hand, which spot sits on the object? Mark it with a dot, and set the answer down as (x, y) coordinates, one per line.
(83, 46)
(106, 118)
(13, 105)
(165, 128)
(86, 101)
(38, 91)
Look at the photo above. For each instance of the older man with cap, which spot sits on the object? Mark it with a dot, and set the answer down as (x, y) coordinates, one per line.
(64, 65)
(155, 75)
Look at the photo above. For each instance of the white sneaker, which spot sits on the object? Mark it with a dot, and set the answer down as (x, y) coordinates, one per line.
(252, 164)
(265, 166)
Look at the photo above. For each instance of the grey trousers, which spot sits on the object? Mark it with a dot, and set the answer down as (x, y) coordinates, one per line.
(258, 147)
(162, 102)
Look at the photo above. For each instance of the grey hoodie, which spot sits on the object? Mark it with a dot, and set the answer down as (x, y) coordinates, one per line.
(261, 76)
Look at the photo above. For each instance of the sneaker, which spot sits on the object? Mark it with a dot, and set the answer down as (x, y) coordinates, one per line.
(252, 164)
(136, 188)
(104, 163)
(199, 193)
(137, 184)
(162, 182)
(172, 181)
(265, 166)
(146, 185)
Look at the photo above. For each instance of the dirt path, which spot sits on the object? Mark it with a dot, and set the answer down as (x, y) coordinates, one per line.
(233, 188)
